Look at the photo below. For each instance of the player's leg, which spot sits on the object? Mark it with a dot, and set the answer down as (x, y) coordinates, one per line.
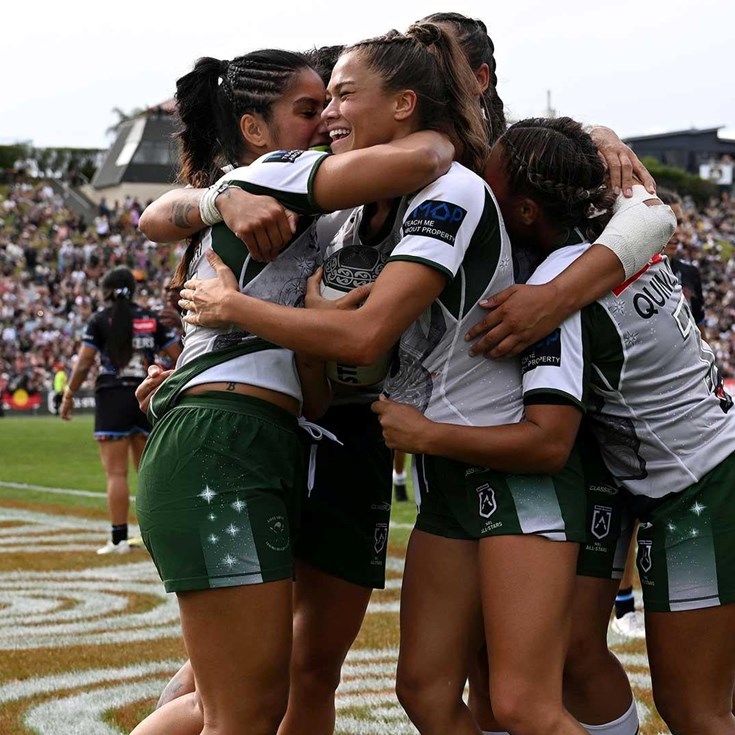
(137, 445)
(692, 659)
(182, 715)
(596, 688)
(239, 641)
(114, 456)
(328, 613)
(686, 562)
(400, 476)
(181, 683)
(527, 591)
(628, 621)
(441, 624)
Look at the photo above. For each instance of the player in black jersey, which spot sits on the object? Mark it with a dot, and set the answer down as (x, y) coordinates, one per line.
(126, 338)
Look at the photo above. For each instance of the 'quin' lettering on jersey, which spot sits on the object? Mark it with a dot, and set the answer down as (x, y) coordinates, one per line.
(546, 351)
(440, 220)
(283, 157)
(655, 294)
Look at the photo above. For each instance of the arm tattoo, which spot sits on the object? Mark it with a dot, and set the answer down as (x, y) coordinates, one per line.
(180, 215)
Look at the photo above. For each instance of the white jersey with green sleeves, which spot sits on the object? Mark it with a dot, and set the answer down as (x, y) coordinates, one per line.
(454, 225)
(652, 391)
(286, 176)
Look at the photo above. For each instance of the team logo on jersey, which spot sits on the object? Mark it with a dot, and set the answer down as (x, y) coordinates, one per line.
(144, 325)
(283, 157)
(486, 496)
(546, 351)
(437, 219)
(601, 519)
(645, 561)
(380, 537)
(279, 538)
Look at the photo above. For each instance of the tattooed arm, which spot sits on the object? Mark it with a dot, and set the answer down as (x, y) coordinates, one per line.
(259, 221)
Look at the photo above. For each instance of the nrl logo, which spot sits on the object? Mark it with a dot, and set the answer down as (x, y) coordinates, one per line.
(486, 496)
(645, 562)
(381, 536)
(601, 518)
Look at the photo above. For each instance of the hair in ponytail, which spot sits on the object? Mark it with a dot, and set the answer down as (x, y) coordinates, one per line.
(118, 288)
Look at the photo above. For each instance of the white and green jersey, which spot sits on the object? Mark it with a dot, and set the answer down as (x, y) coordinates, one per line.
(286, 176)
(636, 360)
(454, 226)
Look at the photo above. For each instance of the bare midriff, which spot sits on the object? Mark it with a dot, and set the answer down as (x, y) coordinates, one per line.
(287, 403)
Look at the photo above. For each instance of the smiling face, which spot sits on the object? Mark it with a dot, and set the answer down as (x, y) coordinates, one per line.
(359, 111)
(295, 121)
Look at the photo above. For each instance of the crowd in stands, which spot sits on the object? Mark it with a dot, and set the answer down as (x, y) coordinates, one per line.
(51, 262)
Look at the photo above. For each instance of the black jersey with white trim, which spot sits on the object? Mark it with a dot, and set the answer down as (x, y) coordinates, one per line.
(454, 225)
(635, 358)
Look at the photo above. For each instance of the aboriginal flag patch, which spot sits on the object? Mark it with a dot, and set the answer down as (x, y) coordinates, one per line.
(545, 352)
(437, 219)
(283, 157)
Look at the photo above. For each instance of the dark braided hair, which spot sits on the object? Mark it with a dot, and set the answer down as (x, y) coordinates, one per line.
(210, 101)
(430, 61)
(554, 162)
(118, 287)
(479, 48)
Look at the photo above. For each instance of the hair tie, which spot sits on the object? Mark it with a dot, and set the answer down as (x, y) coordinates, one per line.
(123, 292)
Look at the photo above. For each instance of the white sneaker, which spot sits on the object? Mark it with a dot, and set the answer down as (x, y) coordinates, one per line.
(109, 548)
(631, 625)
(136, 542)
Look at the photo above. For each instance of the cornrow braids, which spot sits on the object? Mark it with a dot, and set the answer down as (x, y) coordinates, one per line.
(429, 61)
(210, 101)
(479, 48)
(553, 161)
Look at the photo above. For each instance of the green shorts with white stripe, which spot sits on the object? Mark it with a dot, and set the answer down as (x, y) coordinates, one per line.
(462, 501)
(686, 544)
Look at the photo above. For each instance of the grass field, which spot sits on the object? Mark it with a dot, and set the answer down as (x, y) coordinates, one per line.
(88, 642)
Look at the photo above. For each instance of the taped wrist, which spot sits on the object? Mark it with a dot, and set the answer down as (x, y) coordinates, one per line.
(636, 231)
(207, 203)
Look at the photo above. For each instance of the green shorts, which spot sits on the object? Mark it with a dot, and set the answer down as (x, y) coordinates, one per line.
(218, 492)
(462, 501)
(686, 544)
(345, 517)
(610, 522)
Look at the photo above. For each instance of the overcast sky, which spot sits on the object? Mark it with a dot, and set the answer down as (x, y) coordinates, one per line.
(639, 66)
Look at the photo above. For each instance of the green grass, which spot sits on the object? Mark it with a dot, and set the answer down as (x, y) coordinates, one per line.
(46, 451)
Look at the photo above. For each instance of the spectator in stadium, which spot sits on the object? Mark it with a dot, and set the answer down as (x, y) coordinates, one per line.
(126, 339)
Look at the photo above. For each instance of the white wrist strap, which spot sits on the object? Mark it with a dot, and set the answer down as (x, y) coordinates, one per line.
(207, 207)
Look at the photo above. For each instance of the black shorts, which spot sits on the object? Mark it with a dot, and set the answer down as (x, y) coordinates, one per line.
(117, 414)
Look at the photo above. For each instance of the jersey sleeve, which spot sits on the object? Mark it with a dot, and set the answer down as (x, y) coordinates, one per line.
(93, 335)
(287, 176)
(440, 222)
(555, 369)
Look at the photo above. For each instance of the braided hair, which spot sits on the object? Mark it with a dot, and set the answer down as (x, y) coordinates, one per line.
(429, 60)
(554, 162)
(118, 287)
(210, 101)
(479, 48)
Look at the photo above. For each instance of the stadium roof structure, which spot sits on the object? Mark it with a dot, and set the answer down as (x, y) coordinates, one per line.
(686, 149)
(142, 152)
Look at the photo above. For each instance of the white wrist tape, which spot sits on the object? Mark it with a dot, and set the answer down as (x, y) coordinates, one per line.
(636, 231)
(207, 203)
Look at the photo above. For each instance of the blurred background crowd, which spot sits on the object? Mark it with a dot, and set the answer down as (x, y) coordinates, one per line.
(51, 261)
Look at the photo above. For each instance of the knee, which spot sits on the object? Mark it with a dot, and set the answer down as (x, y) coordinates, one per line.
(316, 673)
(521, 708)
(427, 695)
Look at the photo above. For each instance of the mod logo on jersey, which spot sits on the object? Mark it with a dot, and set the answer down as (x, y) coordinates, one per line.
(440, 220)
(545, 352)
(645, 560)
(601, 520)
(381, 537)
(486, 497)
(283, 157)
